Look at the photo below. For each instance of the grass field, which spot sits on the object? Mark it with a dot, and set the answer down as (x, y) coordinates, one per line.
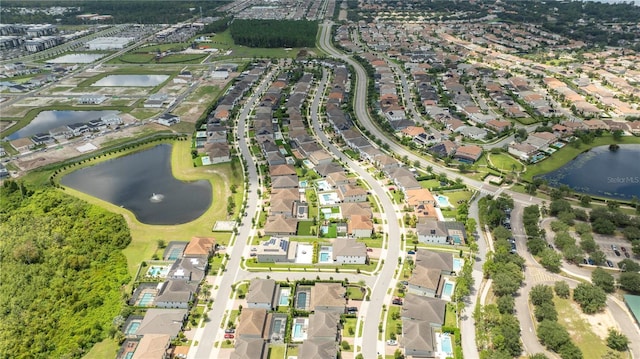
(224, 42)
(277, 351)
(145, 237)
(505, 162)
(392, 324)
(567, 153)
(349, 327)
(355, 292)
(450, 316)
(107, 348)
(582, 335)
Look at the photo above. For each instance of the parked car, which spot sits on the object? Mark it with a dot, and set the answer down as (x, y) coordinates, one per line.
(610, 263)
(591, 261)
(228, 336)
(229, 331)
(584, 261)
(397, 301)
(392, 342)
(626, 254)
(352, 310)
(613, 247)
(369, 249)
(624, 249)
(617, 252)
(411, 252)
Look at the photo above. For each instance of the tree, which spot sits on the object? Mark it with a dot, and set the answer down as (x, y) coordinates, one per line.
(398, 354)
(588, 244)
(551, 260)
(541, 294)
(506, 304)
(562, 289)
(603, 279)
(573, 254)
(590, 297)
(630, 281)
(617, 135)
(570, 351)
(599, 257)
(628, 265)
(617, 341)
(585, 200)
(631, 233)
(505, 283)
(603, 226)
(547, 311)
(552, 335)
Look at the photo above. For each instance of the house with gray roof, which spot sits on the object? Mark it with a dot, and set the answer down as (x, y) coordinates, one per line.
(418, 339)
(262, 293)
(189, 269)
(176, 294)
(430, 310)
(162, 321)
(318, 349)
(328, 296)
(349, 251)
(324, 325)
(249, 348)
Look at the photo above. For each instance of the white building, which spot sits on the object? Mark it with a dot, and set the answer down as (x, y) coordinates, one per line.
(168, 119)
(348, 251)
(109, 43)
(91, 99)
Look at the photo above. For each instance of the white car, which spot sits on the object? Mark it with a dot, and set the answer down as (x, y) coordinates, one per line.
(392, 342)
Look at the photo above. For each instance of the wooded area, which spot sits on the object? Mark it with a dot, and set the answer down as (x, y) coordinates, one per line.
(62, 273)
(274, 33)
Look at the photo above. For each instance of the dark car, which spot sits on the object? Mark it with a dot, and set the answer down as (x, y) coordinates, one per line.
(617, 252)
(623, 249)
(397, 301)
(584, 261)
(411, 252)
(626, 254)
(352, 310)
(591, 261)
(610, 263)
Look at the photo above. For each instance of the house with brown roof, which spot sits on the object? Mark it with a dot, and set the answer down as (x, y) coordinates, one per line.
(468, 153)
(318, 349)
(279, 225)
(523, 151)
(328, 296)
(22, 144)
(352, 209)
(217, 152)
(498, 126)
(337, 179)
(426, 210)
(162, 321)
(262, 293)
(425, 281)
(595, 124)
(253, 323)
(418, 339)
(152, 346)
(412, 131)
(281, 182)
(414, 197)
(200, 247)
(417, 307)
(282, 170)
(359, 226)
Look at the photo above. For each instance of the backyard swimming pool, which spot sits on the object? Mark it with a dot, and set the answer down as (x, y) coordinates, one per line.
(323, 185)
(446, 344)
(457, 264)
(133, 327)
(327, 199)
(303, 184)
(299, 333)
(284, 296)
(448, 289)
(325, 254)
(443, 201)
(158, 271)
(302, 301)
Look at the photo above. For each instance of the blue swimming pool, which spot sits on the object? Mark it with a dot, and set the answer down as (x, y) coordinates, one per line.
(446, 344)
(146, 299)
(175, 254)
(324, 257)
(303, 184)
(284, 297)
(457, 264)
(443, 201)
(133, 327)
(129, 355)
(159, 271)
(448, 289)
(297, 331)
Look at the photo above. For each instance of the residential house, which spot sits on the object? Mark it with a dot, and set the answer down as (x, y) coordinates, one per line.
(386, 163)
(262, 294)
(152, 346)
(61, 132)
(249, 348)
(42, 139)
(276, 250)
(337, 179)
(425, 281)
(328, 297)
(176, 294)
(275, 158)
(404, 179)
(541, 140)
(356, 209)
(440, 260)
(432, 231)
(595, 124)
(328, 168)
(418, 339)
(190, 269)
(498, 126)
(200, 247)
(280, 182)
(474, 133)
(22, 144)
(162, 321)
(412, 131)
(324, 325)
(415, 197)
(468, 153)
(320, 157)
(360, 226)
(77, 129)
(443, 149)
(318, 349)
(252, 323)
(348, 251)
(430, 310)
(91, 99)
(350, 193)
(217, 152)
(168, 119)
(282, 170)
(523, 151)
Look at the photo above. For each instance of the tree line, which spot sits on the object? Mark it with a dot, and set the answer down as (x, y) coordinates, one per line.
(62, 272)
(274, 33)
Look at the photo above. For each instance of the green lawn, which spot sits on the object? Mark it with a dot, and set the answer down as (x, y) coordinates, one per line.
(107, 348)
(349, 327)
(392, 325)
(582, 335)
(568, 152)
(355, 292)
(505, 162)
(304, 228)
(372, 243)
(433, 183)
(224, 42)
(277, 351)
(450, 316)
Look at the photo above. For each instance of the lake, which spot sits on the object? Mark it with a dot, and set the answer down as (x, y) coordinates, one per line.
(143, 183)
(601, 172)
(76, 59)
(131, 80)
(48, 120)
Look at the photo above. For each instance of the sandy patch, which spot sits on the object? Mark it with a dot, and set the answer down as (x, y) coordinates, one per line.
(600, 322)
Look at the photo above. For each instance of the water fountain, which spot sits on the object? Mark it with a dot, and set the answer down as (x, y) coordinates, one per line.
(156, 198)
